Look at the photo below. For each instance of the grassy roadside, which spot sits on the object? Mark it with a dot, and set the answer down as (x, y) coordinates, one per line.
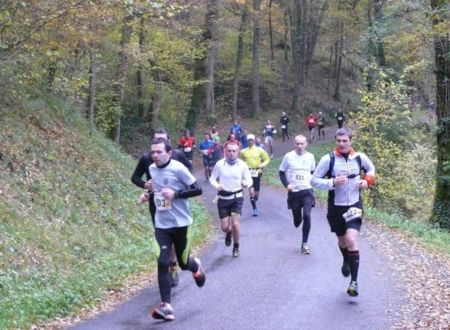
(430, 236)
(70, 227)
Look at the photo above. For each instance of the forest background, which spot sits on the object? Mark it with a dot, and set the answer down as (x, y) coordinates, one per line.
(81, 81)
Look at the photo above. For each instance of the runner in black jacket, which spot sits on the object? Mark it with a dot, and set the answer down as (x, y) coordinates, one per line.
(143, 168)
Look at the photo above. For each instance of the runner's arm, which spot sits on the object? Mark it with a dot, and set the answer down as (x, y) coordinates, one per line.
(140, 170)
(193, 190)
(283, 178)
(318, 180)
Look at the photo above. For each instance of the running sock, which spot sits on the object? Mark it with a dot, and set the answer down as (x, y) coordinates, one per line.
(353, 262)
(236, 246)
(344, 252)
(253, 201)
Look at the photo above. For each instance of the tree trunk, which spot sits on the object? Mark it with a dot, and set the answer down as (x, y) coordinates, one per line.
(154, 108)
(272, 57)
(441, 209)
(255, 48)
(337, 90)
(287, 28)
(239, 54)
(139, 78)
(92, 90)
(379, 49)
(211, 26)
(119, 80)
(296, 36)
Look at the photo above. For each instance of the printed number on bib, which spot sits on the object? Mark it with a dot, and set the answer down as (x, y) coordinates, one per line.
(162, 204)
(254, 172)
(352, 213)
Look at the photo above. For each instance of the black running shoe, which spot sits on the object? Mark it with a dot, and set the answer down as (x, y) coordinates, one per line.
(163, 312)
(235, 252)
(199, 276)
(345, 269)
(228, 239)
(353, 289)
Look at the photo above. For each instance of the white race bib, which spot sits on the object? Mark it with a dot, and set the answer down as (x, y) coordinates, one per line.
(340, 118)
(283, 126)
(205, 152)
(187, 149)
(162, 204)
(254, 172)
(352, 213)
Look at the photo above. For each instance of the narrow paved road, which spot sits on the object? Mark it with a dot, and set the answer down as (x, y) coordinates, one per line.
(271, 285)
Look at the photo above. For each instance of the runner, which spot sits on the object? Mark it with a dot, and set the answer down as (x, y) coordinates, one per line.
(343, 170)
(284, 121)
(172, 185)
(269, 131)
(243, 139)
(232, 137)
(187, 144)
(311, 121)
(207, 149)
(321, 126)
(236, 129)
(229, 176)
(143, 167)
(295, 174)
(259, 144)
(256, 159)
(340, 117)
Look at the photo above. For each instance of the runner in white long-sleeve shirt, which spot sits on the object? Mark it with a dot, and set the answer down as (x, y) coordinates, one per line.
(229, 176)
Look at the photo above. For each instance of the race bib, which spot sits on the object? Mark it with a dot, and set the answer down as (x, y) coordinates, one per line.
(340, 118)
(352, 213)
(187, 149)
(162, 204)
(205, 152)
(254, 172)
(283, 126)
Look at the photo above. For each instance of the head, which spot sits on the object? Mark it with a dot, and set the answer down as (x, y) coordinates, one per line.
(187, 133)
(160, 133)
(235, 122)
(320, 114)
(161, 151)
(231, 137)
(206, 136)
(269, 122)
(231, 150)
(283, 113)
(251, 139)
(343, 138)
(300, 144)
(257, 141)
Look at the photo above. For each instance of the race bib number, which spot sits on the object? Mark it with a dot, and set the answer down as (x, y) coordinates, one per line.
(187, 149)
(254, 172)
(162, 204)
(283, 126)
(340, 118)
(352, 213)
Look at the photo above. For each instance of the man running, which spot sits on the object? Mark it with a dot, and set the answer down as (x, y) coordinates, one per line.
(187, 144)
(207, 149)
(311, 122)
(229, 176)
(143, 167)
(343, 170)
(256, 159)
(295, 174)
(321, 126)
(340, 117)
(172, 184)
(269, 131)
(284, 121)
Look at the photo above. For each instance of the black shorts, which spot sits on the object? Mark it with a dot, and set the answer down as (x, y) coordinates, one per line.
(301, 198)
(256, 182)
(228, 206)
(208, 162)
(310, 128)
(337, 222)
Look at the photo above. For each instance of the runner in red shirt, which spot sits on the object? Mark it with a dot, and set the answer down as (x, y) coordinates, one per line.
(187, 144)
(311, 121)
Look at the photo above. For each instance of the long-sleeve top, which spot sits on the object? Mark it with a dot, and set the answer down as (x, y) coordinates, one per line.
(255, 157)
(347, 194)
(230, 176)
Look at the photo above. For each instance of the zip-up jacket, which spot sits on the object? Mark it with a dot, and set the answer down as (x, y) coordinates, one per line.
(347, 194)
(255, 157)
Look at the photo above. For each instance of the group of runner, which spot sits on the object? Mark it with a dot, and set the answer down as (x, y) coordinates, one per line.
(319, 122)
(170, 183)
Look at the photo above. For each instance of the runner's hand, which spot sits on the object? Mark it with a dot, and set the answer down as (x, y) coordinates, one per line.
(149, 185)
(363, 184)
(145, 197)
(168, 193)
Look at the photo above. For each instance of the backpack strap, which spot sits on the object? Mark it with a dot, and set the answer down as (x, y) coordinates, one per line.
(330, 167)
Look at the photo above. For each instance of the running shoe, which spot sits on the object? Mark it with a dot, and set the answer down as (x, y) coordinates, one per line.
(345, 269)
(255, 212)
(235, 252)
(163, 312)
(305, 249)
(199, 276)
(174, 276)
(353, 289)
(228, 239)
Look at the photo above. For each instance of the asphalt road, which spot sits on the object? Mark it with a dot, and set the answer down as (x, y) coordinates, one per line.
(271, 285)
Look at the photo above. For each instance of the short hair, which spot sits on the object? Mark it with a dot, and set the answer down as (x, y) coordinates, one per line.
(160, 131)
(344, 131)
(166, 143)
(231, 142)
